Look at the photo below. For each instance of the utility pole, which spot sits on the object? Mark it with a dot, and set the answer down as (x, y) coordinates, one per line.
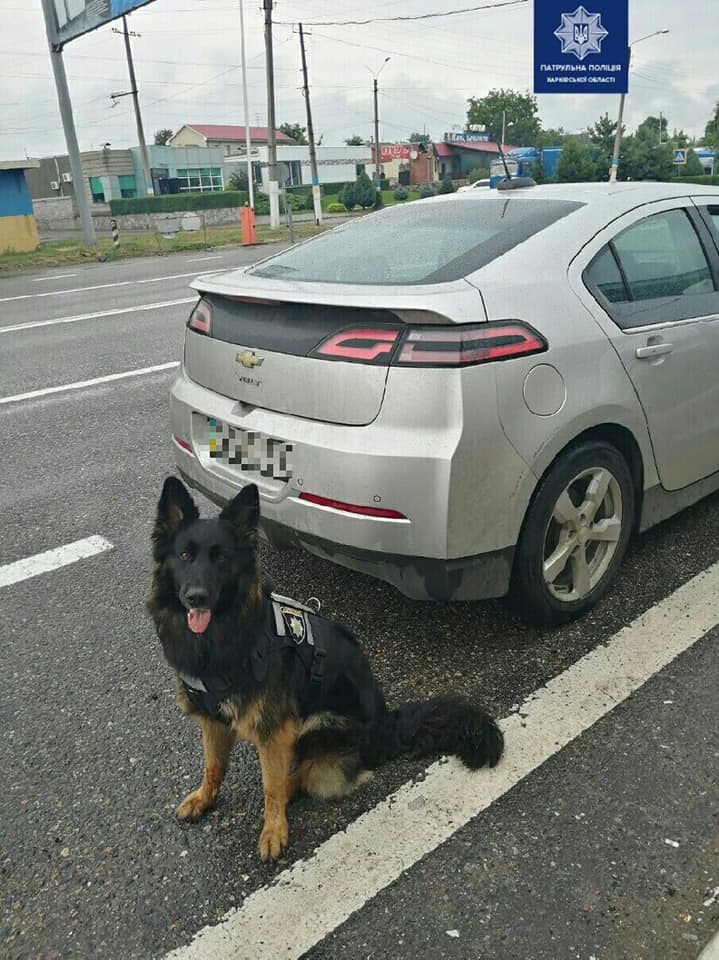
(316, 200)
(248, 141)
(271, 132)
(377, 172)
(618, 136)
(140, 132)
(68, 124)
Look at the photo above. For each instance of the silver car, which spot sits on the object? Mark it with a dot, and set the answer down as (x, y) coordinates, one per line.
(468, 395)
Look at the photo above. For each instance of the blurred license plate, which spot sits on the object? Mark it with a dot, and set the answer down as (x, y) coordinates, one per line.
(250, 451)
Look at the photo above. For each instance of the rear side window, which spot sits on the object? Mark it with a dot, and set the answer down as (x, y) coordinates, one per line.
(655, 271)
(603, 273)
(662, 257)
(424, 242)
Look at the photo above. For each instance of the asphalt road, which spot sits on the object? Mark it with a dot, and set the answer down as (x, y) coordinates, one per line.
(572, 862)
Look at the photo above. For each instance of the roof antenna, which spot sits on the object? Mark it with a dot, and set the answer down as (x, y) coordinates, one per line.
(509, 183)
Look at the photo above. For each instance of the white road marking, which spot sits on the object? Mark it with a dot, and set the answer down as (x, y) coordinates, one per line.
(52, 559)
(81, 384)
(97, 286)
(99, 314)
(711, 950)
(201, 259)
(315, 896)
(58, 276)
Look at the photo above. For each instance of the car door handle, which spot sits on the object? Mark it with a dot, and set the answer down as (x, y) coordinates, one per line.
(654, 350)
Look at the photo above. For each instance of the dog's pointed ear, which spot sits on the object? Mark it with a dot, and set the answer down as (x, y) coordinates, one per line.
(244, 511)
(175, 509)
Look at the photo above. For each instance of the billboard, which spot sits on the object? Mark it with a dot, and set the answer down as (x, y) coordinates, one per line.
(75, 17)
(580, 49)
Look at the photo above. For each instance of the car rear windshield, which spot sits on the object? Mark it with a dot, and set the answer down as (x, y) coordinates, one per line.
(423, 242)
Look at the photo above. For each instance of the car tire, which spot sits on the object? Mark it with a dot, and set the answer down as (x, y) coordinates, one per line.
(574, 536)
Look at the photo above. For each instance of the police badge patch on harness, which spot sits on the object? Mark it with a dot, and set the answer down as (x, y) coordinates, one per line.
(292, 620)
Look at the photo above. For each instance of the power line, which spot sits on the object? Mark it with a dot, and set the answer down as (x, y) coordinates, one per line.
(418, 16)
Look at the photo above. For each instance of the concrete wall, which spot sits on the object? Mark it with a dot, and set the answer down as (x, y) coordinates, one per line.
(54, 212)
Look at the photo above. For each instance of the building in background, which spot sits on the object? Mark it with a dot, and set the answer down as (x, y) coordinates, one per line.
(457, 156)
(230, 139)
(707, 156)
(117, 174)
(18, 230)
(182, 169)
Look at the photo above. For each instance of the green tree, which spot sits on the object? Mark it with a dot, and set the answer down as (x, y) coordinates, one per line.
(522, 123)
(653, 128)
(348, 196)
(538, 173)
(365, 191)
(162, 136)
(693, 167)
(575, 163)
(711, 131)
(602, 134)
(552, 137)
(294, 131)
(419, 138)
(354, 141)
(680, 139)
(237, 181)
(446, 186)
(645, 159)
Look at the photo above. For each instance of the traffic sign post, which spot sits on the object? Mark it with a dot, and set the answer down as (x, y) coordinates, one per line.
(680, 156)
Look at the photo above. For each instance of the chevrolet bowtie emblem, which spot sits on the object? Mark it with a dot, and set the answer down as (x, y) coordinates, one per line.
(249, 359)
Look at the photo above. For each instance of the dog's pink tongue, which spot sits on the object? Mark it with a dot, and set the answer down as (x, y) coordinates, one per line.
(198, 619)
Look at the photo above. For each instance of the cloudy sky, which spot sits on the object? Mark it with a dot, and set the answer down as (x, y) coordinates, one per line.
(188, 52)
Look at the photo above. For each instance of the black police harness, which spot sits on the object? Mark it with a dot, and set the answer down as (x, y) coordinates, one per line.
(286, 624)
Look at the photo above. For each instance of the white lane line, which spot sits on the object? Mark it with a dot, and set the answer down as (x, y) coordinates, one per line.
(58, 276)
(81, 384)
(202, 259)
(711, 950)
(52, 559)
(173, 276)
(99, 314)
(314, 897)
(97, 286)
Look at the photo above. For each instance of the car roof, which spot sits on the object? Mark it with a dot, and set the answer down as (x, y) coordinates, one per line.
(634, 194)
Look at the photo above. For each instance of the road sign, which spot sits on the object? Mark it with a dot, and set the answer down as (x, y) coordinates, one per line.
(580, 49)
(680, 156)
(75, 17)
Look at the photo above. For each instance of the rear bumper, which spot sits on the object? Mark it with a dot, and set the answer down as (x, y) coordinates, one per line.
(459, 484)
(478, 577)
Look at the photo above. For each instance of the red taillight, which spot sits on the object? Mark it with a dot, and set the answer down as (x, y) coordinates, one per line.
(352, 507)
(360, 344)
(461, 346)
(201, 318)
(182, 443)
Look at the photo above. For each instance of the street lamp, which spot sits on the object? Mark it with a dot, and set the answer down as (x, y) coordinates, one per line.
(376, 122)
(618, 135)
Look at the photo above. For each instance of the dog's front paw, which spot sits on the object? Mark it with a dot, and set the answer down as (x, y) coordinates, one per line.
(193, 806)
(273, 839)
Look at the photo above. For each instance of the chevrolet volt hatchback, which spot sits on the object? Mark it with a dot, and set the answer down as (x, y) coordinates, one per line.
(468, 395)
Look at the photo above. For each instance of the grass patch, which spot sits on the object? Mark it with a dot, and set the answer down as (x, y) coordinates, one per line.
(60, 253)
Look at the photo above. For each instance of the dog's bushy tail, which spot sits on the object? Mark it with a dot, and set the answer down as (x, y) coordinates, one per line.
(441, 725)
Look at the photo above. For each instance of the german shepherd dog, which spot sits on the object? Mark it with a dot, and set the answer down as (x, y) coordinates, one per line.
(252, 666)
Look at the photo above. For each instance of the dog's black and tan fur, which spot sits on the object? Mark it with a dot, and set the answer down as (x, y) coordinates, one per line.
(207, 577)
